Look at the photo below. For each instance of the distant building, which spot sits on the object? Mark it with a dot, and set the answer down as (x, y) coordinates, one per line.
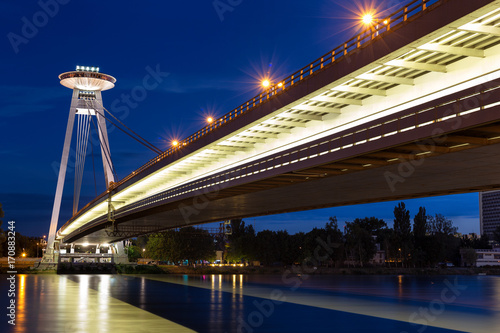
(471, 235)
(486, 257)
(379, 258)
(489, 212)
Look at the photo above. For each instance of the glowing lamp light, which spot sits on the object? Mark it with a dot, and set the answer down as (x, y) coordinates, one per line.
(175, 143)
(85, 244)
(24, 254)
(210, 120)
(266, 83)
(280, 84)
(367, 19)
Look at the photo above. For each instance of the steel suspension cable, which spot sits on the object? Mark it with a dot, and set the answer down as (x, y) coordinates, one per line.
(93, 163)
(83, 131)
(140, 140)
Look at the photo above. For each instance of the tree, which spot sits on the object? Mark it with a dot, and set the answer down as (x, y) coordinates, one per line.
(371, 224)
(188, 243)
(335, 238)
(241, 243)
(469, 257)
(402, 220)
(420, 225)
(156, 247)
(441, 245)
(134, 252)
(359, 242)
(386, 240)
(439, 224)
(419, 235)
(330, 235)
(402, 231)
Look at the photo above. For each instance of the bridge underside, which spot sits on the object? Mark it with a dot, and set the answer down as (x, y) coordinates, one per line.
(413, 113)
(467, 168)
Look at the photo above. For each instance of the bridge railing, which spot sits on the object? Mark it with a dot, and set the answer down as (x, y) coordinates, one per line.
(341, 52)
(417, 117)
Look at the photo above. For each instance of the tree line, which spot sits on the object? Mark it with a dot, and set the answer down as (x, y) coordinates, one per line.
(24, 244)
(423, 241)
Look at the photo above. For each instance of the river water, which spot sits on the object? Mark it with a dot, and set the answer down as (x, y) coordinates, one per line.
(252, 303)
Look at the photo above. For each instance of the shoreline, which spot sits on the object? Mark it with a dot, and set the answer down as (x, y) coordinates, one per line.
(251, 270)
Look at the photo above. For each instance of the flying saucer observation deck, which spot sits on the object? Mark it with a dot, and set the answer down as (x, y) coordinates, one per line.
(87, 80)
(417, 96)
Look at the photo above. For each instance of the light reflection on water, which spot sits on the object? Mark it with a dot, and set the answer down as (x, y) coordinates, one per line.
(85, 300)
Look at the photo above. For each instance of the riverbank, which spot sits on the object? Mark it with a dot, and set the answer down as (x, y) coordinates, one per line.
(249, 270)
(328, 271)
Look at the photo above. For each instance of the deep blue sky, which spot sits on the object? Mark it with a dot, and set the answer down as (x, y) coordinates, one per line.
(213, 61)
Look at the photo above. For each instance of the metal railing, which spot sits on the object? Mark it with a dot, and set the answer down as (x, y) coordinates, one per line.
(341, 52)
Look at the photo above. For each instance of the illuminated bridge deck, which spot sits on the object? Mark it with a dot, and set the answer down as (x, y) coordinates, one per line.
(408, 110)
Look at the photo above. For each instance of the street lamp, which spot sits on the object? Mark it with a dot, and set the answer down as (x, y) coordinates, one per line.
(367, 19)
(175, 143)
(210, 120)
(266, 83)
(373, 23)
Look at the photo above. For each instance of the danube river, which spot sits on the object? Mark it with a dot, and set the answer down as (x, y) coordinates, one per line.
(252, 303)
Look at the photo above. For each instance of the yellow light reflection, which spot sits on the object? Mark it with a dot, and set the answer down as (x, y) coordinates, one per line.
(84, 306)
(103, 299)
(234, 288)
(400, 285)
(22, 293)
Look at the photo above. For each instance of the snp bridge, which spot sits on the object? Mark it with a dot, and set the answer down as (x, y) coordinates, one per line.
(408, 108)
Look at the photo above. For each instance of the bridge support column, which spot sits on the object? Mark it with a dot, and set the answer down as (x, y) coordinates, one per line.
(48, 257)
(84, 106)
(119, 255)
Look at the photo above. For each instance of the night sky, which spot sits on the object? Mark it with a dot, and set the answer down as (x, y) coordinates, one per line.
(212, 55)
